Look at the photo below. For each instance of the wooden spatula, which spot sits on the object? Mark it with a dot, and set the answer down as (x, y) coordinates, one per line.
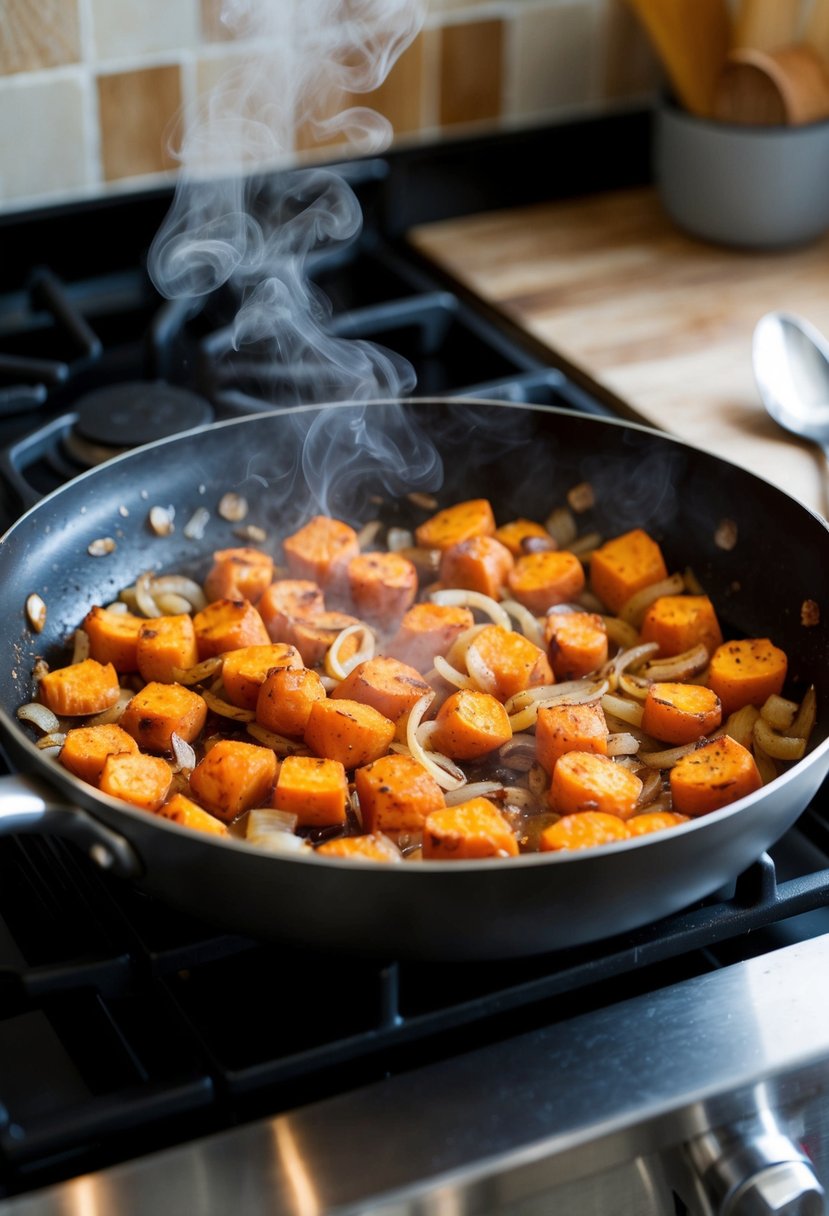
(766, 25)
(691, 38)
(816, 33)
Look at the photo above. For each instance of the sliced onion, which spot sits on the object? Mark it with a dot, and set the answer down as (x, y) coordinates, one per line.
(277, 743)
(196, 524)
(53, 739)
(528, 624)
(634, 686)
(620, 632)
(399, 538)
(537, 779)
(107, 716)
(456, 654)
(177, 584)
(806, 716)
(339, 668)
(622, 743)
(144, 599)
(482, 674)
(779, 747)
(475, 789)
(457, 598)
(516, 795)
(633, 610)
(225, 709)
(445, 771)
(40, 716)
(451, 674)
(172, 605)
(198, 674)
(651, 789)
(669, 757)
(267, 819)
(574, 692)
(740, 725)
(621, 708)
(184, 755)
(280, 842)
(368, 533)
(779, 712)
(765, 766)
(679, 666)
(80, 646)
(585, 544)
(118, 607)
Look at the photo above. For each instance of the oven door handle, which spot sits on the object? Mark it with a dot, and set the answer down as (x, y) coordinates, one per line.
(31, 806)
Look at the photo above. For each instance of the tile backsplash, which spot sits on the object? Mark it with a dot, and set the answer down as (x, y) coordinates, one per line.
(95, 95)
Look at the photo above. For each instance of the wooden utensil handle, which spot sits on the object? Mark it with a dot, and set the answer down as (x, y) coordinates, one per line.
(766, 25)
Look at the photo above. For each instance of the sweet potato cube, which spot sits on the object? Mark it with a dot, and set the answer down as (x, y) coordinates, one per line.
(521, 535)
(388, 685)
(569, 728)
(577, 643)
(81, 689)
(471, 724)
(86, 748)
(512, 663)
(244, 670)
(396, 794)
(382, 585)
(680, 622)
(583, 831)
(228, 625)
(348, 731)
(136, 778)
(539, 581)
(624, 565)
(180, 809)
(321, 550)
(163, 643)
(713, 776)
(456, 523)
(234, 777)
(472, 830)
(239, 574)
(360, 848)
(426, 630)
(158, 711)
(586, 781)
(285, 698)
(313, 636)
(312, 788)
(480, 563)
(746, 672)
(113, 637)
(654, 821)
(680, 713)
(284, 601)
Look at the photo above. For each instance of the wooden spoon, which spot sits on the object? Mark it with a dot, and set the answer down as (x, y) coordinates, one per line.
(788, 86)
(816, 33)
(766, 25)
(691, 38)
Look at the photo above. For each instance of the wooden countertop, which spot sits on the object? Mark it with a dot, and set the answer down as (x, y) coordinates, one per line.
(661, 321)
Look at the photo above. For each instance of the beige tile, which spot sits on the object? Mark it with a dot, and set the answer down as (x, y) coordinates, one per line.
(555, 57)
(629, 66)
(41, 138)
(471, 71)
(137, 112)
(126, 28)
(38, 34)
(400, 97)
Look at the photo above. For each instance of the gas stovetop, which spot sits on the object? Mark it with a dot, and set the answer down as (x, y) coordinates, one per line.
(127, 1028)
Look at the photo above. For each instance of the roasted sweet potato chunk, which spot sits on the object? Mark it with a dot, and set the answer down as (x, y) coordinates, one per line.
(160, 710)
(314, 789)
(469, 831)
(679, 622)
(471, 724)
(348, 731)
(396, 794)
(164, 643)
(321, 550)
(86, 748)
(583, 831)
(426, 630)
(713, 776)
(577, 643)
(746, 672)
(180, 809)
(239, 574)
(81, 689)
(113, 637)
(228, 625)
(386, 684)
(539, 581)
(480, 563)
(136, 778)
(234, 777)
(382, 585)
(285, 698)
(505, 662)
(624, 565)
(244, 670)
(569, 728)
(584, 781)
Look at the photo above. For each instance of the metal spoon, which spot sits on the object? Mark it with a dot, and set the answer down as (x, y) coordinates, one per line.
(791, 366)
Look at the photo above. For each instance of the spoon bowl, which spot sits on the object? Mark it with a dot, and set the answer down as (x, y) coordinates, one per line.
(791, 367)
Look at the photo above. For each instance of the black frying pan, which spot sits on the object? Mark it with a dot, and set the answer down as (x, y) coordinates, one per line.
(339, 458)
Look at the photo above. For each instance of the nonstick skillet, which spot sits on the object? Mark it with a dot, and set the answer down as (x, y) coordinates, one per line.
(345, 459)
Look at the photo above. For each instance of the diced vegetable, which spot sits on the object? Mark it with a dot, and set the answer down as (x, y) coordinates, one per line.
(472, 830)
(360, 848)
(228, 625)
(680, 622)
(426, 630)
(161, 710)
(382, 585)
(113, 637)
(285, 698)
(680, 713)
(713, 776)
(321, 550)
(456, 523)
(233, 777)
(583, 831)
(239, 574)
(521, 535)
(625, 564)
(503, 662)
(396, 794)
(569, 728)
(470, 724)
(584, 781)
(746, 672)
(539, 581)
(313, 789)
(86, 748)
(189, 814)
(244, 670)
(480, 563)
(386, 684)
(136, 778)
(80, 689)
(164, 644)
(348, 731)
(577, 643)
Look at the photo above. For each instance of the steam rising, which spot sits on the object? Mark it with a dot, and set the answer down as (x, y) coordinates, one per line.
(234, 227)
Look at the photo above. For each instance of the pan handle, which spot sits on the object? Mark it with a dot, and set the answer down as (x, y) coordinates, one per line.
(28, 805)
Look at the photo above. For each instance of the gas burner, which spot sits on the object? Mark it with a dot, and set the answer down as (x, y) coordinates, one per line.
(118, 417)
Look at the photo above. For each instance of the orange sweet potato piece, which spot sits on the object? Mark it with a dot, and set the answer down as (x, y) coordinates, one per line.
(360, 848)
(426, 630)
(314, 789)
(680, 713)
(624, 565)
(313, 636)
(140, 780)
(348, 731)
(471, 830)
(386, 684)
(585, 781)
(480, 563)
(321, 550)
(577, 643)
(518, 532)
(470, 724)
(113, 637)
(228, 625)
(183, 810)
(539, 581)
(244, 670)
(86, 748)
(713, 776)
(284, 601)
(239, 574)
(569, 728)
(456, 523)
(653, 821)
(382, 585)
(584, 830)
(285, 698)
(746, 672)
(396, 794)
(234, 777)
(505, 662)
(81, 689)
(163, 643)
(158, 711)
(680, 622)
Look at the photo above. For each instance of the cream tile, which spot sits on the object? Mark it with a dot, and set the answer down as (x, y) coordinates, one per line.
(38, 34)
(554, 60)
(41, 138)
(127, 28)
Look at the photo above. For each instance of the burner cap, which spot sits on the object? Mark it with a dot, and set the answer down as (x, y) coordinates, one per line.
(126, 415)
